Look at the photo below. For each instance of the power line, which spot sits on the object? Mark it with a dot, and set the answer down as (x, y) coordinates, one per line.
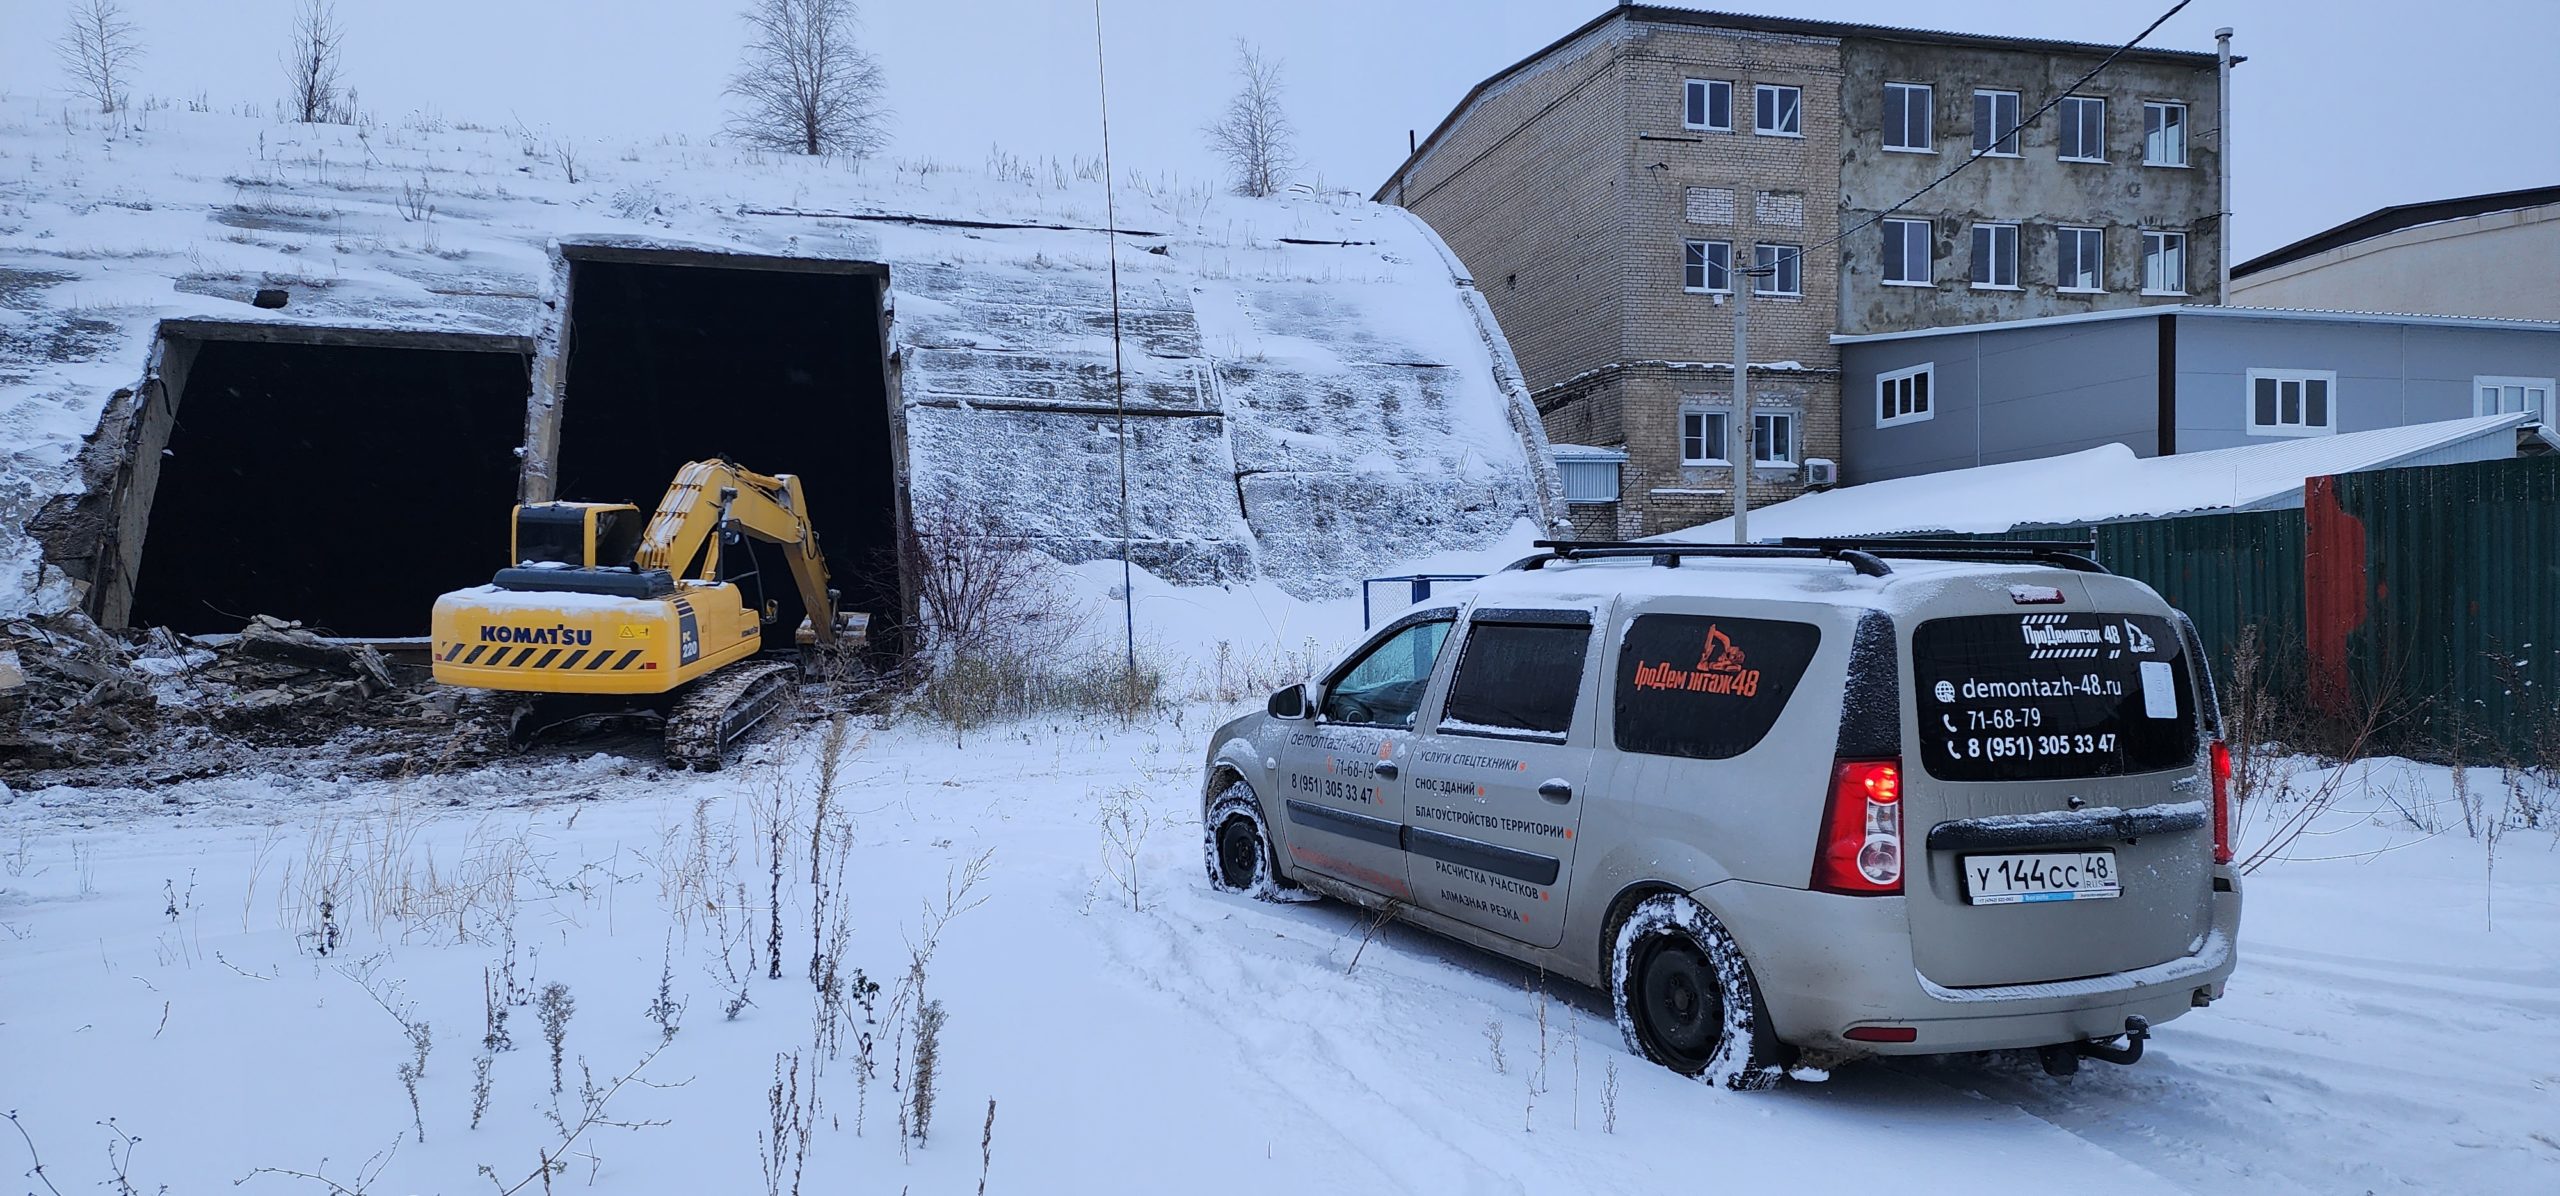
(1977, 155)
(1746, 457)
(1119, 384)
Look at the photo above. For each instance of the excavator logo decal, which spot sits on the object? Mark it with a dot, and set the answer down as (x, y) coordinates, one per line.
(536, 635)
(1720, 670)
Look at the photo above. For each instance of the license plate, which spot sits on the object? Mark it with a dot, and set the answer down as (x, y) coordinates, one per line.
(2044, 876)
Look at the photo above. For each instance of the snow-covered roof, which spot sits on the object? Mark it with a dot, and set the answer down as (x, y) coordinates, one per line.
(1328, 394)
(2210, 311)
(2108, 483)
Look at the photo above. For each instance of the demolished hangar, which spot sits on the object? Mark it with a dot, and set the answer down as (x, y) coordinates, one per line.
(249, 367)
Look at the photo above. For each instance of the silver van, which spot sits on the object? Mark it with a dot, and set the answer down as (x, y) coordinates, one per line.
(1791, 804)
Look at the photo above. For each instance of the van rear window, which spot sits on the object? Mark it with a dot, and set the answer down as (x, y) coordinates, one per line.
(1706, 687)
(2030, 697)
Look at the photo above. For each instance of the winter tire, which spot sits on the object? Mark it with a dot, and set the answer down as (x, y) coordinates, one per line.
(1239, 846)
(1685, 998)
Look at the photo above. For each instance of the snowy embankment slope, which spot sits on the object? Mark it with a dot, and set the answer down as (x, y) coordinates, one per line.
(1325, 394)
(2382, 1033)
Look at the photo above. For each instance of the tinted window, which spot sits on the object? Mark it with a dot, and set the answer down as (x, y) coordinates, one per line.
(1517, 681)
(2052, 696)
(555, 535)
(1707, 687)
(1384, 687)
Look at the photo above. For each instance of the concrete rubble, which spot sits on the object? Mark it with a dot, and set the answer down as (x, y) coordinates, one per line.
(83, 706)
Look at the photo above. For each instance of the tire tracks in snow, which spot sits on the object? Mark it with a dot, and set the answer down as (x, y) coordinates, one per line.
(1316, 1037)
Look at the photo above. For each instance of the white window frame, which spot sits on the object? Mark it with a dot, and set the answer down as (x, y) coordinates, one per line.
(2301, 426)
(1778, 252)
(1795, 433)
(2016, 136)
(1707, 104)
(2069, 112)
(2502, 382)
(2155, 244)
(1928, 99)
(1973, 268)
(1715, 447)
(1896, 228)
(1762, 89)
(1911, 402)
(1706, 248)
(2079, 237)
(2162, 106)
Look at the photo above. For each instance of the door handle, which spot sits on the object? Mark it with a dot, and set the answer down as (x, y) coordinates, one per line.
(1387, 769)
(1556, 791)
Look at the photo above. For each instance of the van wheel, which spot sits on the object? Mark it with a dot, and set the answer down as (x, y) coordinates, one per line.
(1685, 998)
(1239, 847)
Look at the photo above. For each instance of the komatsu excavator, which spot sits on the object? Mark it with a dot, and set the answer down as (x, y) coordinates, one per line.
(600, 612)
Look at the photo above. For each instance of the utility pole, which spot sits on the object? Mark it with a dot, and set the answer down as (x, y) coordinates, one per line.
(2222, 154)
(1741, 431)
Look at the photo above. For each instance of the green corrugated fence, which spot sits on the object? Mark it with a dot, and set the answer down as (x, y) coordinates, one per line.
(2450, 611)
(2431, 591)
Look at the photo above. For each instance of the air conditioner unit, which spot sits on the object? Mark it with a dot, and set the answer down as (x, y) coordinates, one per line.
(1821, 473)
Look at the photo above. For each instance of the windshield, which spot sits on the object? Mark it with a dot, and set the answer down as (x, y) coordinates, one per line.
(551, 535)
(2022, 697)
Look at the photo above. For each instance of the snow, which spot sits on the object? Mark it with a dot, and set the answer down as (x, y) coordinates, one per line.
(499, 601)
(1498, 731)
(2391, 1026)
(2207, 956)
(2104, 483)
(1590, 582)
(1314, 412)
(2067, 819)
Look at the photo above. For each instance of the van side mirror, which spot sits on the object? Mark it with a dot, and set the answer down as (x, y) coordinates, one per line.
(1288, 703)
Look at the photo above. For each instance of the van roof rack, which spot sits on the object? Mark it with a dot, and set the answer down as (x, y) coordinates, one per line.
(2078, 556)
(1866, 555)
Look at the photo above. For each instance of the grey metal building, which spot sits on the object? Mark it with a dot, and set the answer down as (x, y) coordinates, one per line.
(2178, 379)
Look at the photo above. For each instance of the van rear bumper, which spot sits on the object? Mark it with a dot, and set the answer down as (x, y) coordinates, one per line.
(1827, 963)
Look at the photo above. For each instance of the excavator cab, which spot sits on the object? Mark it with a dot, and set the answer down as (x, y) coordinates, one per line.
(581, 548)
(581, 535)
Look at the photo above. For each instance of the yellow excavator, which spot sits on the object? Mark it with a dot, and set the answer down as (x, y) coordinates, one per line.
(601, 612)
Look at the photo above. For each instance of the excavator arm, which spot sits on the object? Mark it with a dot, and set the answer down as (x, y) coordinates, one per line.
(709, 494)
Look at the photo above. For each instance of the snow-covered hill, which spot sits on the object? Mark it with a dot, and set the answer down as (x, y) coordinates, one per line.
(1326, 395)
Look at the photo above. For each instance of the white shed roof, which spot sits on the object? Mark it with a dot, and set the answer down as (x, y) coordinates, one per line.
(2109, 482)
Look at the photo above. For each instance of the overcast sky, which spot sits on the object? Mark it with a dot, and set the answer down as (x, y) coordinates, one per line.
(2345, 106)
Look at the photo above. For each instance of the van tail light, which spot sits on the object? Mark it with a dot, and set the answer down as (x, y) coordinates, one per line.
(1861, 849)
(2221, 802)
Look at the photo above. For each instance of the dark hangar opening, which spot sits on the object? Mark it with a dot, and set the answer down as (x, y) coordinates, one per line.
(672, 359)
(342, 485)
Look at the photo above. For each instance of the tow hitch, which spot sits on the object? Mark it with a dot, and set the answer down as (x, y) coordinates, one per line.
(2063, 1058)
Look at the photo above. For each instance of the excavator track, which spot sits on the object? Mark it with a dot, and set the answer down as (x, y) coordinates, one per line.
(723, 708)
(488, 726)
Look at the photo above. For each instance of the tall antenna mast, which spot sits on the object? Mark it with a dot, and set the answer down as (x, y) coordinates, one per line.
(1119, 385)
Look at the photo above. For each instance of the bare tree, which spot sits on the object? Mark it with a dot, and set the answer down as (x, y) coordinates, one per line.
(1254, 135)
(311, 66)
(98, 50)
(808, 87)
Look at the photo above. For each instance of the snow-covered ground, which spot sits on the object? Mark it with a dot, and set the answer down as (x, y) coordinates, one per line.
(2393, 1025)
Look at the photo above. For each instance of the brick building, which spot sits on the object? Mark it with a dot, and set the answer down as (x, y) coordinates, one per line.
(1602, 190)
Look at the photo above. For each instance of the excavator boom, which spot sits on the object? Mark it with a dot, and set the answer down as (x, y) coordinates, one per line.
(708, 495)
